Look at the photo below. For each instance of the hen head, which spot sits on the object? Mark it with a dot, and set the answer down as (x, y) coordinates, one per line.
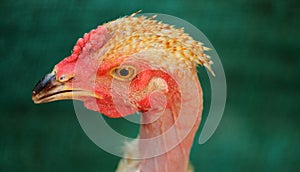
(117, 67)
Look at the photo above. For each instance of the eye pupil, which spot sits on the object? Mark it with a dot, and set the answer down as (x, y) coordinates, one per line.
(124, 72)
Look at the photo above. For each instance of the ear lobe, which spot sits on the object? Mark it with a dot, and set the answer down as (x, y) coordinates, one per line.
(155, 99)
(156, 104)
(158, 84)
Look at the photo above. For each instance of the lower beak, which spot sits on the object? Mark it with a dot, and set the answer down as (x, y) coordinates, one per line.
(49, 89)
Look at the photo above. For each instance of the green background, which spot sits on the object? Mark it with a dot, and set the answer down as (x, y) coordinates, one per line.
(257, 40)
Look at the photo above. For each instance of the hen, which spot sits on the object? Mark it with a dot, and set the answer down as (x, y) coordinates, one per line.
(137, 64)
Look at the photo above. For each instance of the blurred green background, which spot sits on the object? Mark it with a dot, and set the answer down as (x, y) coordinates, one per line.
(257, 40)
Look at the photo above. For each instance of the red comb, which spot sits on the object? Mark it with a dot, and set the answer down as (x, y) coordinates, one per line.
(90, 42)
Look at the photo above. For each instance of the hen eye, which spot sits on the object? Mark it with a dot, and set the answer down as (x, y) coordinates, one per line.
(124, 72)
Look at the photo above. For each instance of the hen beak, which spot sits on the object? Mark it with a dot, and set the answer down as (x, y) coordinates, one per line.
(48, 89)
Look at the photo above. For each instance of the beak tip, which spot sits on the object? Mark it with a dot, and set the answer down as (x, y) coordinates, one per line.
(40, 87)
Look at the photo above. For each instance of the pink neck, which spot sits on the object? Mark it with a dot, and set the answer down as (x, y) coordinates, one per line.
(170, 132)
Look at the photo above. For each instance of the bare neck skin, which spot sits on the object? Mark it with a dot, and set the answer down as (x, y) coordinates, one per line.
(169, 132)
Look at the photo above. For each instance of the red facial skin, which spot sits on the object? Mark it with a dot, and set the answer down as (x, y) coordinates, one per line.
(117, 97)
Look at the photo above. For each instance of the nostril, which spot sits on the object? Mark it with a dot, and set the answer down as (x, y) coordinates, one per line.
(62, 78)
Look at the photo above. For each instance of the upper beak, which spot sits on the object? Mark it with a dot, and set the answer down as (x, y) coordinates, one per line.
(49, 89)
